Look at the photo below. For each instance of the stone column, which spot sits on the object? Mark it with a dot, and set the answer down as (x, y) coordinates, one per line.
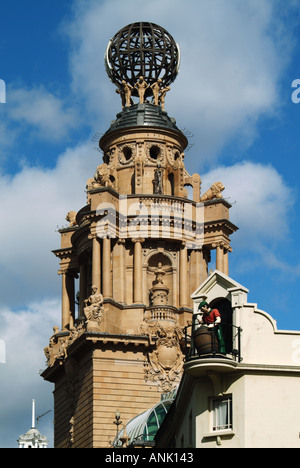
(183, 276)
(106, 268)
(137, 271)
(121, 282)
(227, 249)
(225, 260)
(68, 303)
(222, 250)
(220, 257)
(70, 284)
(96, 263)
(196, 260)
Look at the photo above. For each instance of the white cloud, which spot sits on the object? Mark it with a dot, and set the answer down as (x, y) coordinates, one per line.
(262, 204)
(34, 202)
(232, 60)
(25, 334)
(261, 201)
(47, 115)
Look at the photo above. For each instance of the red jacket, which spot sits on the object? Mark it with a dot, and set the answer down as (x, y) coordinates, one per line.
(211, 316)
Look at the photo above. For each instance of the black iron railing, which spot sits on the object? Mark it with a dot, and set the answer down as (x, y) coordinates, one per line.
(218, 340)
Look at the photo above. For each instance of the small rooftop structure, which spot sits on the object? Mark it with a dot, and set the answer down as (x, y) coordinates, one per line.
(32, 438)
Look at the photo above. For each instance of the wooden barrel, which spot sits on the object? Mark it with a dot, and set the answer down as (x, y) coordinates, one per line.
(205, 340)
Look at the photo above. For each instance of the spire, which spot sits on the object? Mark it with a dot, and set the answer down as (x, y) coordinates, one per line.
(32, 438)
(33, 415)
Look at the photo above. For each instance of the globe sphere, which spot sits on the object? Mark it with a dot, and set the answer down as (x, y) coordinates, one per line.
(142, 49)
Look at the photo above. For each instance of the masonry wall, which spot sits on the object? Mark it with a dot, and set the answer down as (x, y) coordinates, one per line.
(73, 405)
(90, 391)
(119, 384)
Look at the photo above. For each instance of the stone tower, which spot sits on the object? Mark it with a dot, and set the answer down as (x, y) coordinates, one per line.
(137, 251)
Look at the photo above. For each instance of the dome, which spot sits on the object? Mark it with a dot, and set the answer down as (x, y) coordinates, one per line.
(33, 439)
(140, 115)
(142, 49)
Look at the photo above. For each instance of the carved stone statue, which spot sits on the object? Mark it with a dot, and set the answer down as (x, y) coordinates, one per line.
(49, 350)
(163, 96)
(125, 93)
(93, 309)
(62, 351)
(122, 94)
(156, 87)
(158, 182)
(71, 218)
(213, 192)
(102, 175)
(141, 87)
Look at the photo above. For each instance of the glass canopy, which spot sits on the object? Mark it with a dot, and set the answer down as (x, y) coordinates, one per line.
(143, 427)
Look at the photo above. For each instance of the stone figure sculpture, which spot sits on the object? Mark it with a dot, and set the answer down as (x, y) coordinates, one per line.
(156, 88)
(141, 87)
(93, 308)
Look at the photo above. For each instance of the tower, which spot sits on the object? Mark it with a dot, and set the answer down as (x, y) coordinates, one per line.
(137, 251)
(32, 438)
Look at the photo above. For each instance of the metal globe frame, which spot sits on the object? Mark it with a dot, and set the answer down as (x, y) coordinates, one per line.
(142, 49)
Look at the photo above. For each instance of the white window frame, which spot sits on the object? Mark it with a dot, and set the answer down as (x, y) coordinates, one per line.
(221, 413)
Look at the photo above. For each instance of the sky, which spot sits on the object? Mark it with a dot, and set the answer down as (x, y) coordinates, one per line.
(236, 98)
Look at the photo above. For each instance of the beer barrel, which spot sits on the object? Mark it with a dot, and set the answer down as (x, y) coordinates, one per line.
(205, 340)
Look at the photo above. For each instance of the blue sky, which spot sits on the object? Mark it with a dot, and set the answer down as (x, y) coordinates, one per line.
(233, 96)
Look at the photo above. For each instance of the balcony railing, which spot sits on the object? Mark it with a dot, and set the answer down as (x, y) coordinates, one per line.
(202, 341)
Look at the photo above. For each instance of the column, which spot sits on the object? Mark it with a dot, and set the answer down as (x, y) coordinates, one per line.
(183, 276)
(65, 302)
(137, 271)
(96, 263)
(121, 271)
(71, 294)
(225, 261)
(219, 257)
(227, 249)
(196, 260)
(106, 268)
(222, 250)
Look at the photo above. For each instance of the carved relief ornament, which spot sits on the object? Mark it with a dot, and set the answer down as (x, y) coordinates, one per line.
(163, 366)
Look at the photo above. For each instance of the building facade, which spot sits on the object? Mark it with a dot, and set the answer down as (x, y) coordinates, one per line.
(136, 251)
(247, 398)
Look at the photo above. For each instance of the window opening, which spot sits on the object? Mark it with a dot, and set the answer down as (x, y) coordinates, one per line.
(222, 413)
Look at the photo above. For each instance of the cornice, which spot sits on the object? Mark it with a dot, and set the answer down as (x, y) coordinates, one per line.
(63, 253)
(90, 341)
(215, 224)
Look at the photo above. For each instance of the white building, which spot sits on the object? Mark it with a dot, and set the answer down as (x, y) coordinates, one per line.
(248, 398)
(33, 438)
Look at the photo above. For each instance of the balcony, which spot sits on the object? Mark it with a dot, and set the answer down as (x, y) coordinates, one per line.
(215, 348)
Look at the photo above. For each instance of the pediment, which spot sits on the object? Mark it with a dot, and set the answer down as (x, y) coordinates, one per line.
(219, 285)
